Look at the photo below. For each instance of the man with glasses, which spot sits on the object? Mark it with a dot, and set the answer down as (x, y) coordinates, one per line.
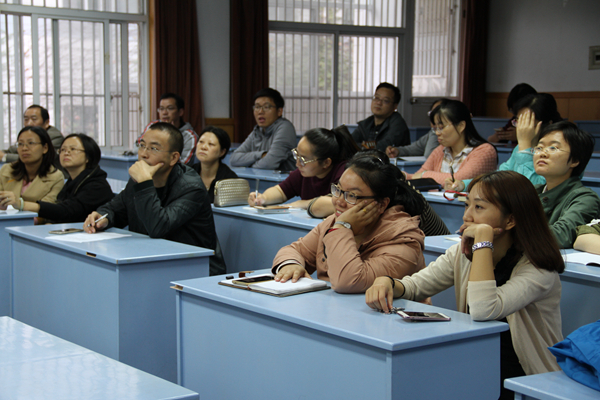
(385, 127)
(163, 199)
(170, 110)
(34, 116)
(269, 145)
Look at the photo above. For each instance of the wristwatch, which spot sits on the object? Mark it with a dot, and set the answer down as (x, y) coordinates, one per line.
(344, 224)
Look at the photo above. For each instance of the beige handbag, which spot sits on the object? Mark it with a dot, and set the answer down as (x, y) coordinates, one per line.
(231, 192)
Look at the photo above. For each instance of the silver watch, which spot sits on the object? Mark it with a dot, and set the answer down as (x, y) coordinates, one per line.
(482, 245)
(344, 224)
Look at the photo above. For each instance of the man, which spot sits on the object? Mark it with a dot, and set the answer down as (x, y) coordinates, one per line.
(164, 198)
(170, 110)
(34, 116)
(269, 145)
(385, 127)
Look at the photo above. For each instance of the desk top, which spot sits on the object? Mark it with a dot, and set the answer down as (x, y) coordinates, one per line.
(551, 386)
(13, 214)
(119, 157)
(132, 249)
(434, 197)
(591, 176)
(296, 218)
(346, 315)
(261, 174)
(37, 365)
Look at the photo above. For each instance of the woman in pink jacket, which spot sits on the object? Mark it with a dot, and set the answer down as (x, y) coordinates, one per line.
(463, 153)
(373, 232)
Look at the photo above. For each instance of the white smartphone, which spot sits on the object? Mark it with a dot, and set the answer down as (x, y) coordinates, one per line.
(423, 316)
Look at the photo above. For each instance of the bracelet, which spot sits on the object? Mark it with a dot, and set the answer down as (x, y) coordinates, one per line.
(22, 205)
(482, 245)
(308, 209)
(393, 281)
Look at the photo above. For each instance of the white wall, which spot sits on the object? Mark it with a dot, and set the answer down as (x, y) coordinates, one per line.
(544, 43)
(213, 29)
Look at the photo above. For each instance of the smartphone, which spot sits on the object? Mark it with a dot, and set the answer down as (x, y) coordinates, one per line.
(423, 316)
(252, 279)
(65, 231)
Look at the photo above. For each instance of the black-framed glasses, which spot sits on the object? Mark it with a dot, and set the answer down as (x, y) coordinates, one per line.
(351, 198)
(303, 161)
(151, 149)
(265, 107)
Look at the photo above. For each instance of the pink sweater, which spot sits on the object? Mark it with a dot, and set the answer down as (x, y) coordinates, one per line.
(482, 159)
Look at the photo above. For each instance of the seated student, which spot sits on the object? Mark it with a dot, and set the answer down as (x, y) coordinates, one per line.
(212, 148)
(534, 113)
(374, 231)
(561, 156)
(164, 198)
(588, 237)
(505, 269)
(33, 176)
(462, 152)
(321, 158)
(507, 132)
(385, 127)
(424, 146)
(269, 145)
(34, 116)
(85, 190)
(431, 223)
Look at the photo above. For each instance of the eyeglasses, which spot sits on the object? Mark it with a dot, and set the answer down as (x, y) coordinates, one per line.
(547, 150)
(154, 150)
(384, 101)
(169, 109)
(28, 144)
(65, 150)
(438, 129)
(350, 197)
(265, 108)
(514, 121)
(303, 161)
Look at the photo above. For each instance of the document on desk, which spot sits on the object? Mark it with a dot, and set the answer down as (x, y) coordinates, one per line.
(413, 158)
(274, 288)
(583, 258)
(86, 237)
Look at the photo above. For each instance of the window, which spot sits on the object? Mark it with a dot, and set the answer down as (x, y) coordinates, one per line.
(78, 59)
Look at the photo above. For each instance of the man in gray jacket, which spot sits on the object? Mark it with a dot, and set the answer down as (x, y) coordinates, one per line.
(34, 116)
(270, 144)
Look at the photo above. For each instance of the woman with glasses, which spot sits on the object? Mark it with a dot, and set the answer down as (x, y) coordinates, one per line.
(561, 155)
(373, 232)
(534, 113)
(505, 269)
(320, 160)
(212, 148)
(85, 190)
(33, 176)
(463, 153)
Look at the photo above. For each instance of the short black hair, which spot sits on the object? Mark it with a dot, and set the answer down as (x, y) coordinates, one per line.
(175, 136)
(222, 137)
(543, 106)
(19, 171)
(92, 151)
(43, 112)
(385, 85)
(272, 94)
(516, 93)
(580, 142)
(178, 100)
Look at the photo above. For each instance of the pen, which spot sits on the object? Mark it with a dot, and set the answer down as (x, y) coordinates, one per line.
(452, 173)
(98, 220)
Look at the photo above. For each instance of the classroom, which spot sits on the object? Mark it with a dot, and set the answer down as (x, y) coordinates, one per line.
(144, 311)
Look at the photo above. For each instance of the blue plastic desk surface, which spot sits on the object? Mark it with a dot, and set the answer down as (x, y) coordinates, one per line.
(346, 315)
(127, 250)
(294, 218)
(119, 157)
(12, 215)
(550, 386)
(262, 174)
(37, 365)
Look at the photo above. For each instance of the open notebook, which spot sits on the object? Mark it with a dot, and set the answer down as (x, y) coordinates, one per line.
(277, 288)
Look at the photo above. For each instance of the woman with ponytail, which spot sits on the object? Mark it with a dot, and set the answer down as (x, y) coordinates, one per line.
(320, 157)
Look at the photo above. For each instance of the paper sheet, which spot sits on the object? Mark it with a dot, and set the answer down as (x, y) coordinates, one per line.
(86, 237)
(583, 258)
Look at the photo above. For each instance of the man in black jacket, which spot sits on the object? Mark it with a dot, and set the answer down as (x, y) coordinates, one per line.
(163, 198)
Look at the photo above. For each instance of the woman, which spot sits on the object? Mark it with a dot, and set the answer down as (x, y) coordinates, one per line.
(85, 190)
(463, 152)
(320, 161)
(507, 132)
(534, 113)
(33, 176)
(373, 232)
(212, 148)
(561, 156)
(505, 269)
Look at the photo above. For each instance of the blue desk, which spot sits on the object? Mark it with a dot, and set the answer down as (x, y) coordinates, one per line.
(10, 218)
(250, 240)
(451, 212)
(591, 179)
(110, 296)
(325, 345)
(116, 185)
(117, 166)
(260, 178)
(550, 386)
(504, 151)
(410, 167)
(486, 125)
(580, 287)
(594, 163)
(37, 365)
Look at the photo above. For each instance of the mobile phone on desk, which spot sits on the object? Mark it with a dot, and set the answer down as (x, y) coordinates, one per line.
(65, 231)
(253, 279)
(423, 316)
